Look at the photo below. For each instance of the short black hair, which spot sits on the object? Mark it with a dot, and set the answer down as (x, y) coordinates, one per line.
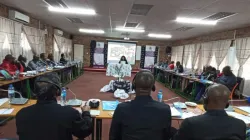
(62, 55)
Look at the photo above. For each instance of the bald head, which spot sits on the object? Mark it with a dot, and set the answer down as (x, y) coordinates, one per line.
(217, 96)
(144, 81)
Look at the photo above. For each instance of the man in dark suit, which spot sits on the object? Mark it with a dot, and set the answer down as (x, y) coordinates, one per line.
(215, 124)
(142, 118)
(47, 120)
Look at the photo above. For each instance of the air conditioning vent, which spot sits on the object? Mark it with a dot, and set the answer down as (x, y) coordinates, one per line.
(56, 3)
(131, 25)
(219, 16)
(17, 16)
(184, 28)
(140, 9)
(125, 34)
(75, 20)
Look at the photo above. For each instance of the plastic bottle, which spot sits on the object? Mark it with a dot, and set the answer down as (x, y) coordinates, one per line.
(160, 95)
(11, 92)
(63, 96)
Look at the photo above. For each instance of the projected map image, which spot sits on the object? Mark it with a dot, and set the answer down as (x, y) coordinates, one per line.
(118, 49)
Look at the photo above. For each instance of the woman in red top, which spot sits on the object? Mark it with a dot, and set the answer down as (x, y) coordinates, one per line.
(10, 65)
(171, 65)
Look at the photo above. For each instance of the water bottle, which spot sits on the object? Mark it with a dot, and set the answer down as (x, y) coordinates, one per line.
(63, 96)
(159, 95)
(11, 92)
(17, 72)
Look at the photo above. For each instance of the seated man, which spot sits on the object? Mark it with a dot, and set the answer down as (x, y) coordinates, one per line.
(215, 124)
(22, 60)
(43, 60)
(50, 60)
(179, 68)
(34, 64)
(47, 120)
(142, 118)
(63, 60)
(10, 65)
(228, 78)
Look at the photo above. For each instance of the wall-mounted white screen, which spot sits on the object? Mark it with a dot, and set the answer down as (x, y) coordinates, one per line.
(118, 49)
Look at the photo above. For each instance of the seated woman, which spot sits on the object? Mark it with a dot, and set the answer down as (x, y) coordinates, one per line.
(123, 59)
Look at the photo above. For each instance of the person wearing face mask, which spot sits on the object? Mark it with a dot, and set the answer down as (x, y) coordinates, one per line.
(34, 64)
(123, 59)
(215, 124)
(9, 64)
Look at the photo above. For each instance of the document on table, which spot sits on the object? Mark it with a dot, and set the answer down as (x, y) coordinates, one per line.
(187, 115)
(6, 111)
(3, 100)
(244, 108)
(94, 112)
(244, 118)
(175, 112)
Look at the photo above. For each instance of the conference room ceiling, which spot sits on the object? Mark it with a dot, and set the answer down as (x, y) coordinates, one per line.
(159, 19)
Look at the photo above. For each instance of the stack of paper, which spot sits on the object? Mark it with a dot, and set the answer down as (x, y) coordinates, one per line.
(3, 100)
(244, 108)
(175, 112)
(94, 112)
(6, 111)
(187, 115)
(244, 118)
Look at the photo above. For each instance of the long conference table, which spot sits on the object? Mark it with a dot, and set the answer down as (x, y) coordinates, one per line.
(179, 81)
(72, 71)
(97, 120)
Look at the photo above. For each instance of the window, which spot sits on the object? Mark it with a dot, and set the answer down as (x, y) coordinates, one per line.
(189, 62)
(213, 62)
(26, 49)
(246, 75)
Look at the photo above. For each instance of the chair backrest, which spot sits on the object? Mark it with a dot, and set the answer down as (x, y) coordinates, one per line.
(232, 92)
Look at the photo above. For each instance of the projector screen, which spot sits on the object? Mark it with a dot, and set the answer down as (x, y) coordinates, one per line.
(118, 49)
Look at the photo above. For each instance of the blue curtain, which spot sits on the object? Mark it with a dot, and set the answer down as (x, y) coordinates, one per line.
(92, 51)
(143, 51)
(105, 55)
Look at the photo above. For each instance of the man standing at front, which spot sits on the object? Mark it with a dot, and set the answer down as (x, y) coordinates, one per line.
(142, 118)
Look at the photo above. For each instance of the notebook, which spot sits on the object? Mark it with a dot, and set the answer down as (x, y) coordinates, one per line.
(109, 105)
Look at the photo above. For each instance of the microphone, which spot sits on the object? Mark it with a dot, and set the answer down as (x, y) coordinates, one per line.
(71, 92)
(73, 102)
(30, 67)
(17, 101)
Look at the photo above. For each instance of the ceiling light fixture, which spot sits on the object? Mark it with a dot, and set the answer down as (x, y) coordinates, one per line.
(130, 30)
(159, 35)
(196, 21)
(73, 10)
(126, 38)
(92, 31)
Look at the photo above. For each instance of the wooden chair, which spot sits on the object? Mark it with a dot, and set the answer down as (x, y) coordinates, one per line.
(232, 92)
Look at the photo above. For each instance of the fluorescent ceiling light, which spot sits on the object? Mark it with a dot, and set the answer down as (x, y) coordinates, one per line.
(73, 10)
(196, 21)
(159, 35)
(130, 30)
(92, 31)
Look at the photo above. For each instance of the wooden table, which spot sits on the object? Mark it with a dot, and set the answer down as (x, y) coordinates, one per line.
(108, 115)
(16, 108)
